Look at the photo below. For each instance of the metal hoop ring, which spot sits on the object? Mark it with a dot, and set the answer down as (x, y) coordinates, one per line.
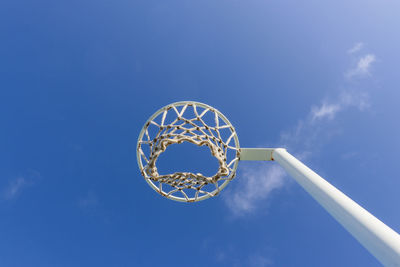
(150, 172)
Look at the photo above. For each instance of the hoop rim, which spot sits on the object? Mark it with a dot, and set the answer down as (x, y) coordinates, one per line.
(159, 190)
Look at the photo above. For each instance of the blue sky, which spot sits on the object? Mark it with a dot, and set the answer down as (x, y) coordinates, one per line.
(78, 79)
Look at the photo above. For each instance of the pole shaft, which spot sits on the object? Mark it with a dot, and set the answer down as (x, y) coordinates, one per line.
(379, 239)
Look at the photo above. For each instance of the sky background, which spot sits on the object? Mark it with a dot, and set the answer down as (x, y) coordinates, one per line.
(78, 79)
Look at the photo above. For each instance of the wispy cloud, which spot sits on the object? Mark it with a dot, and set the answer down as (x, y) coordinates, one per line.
(226, 253)
(363, 66)
(346, 99)
(18, 184)
(258, 260)
(88, 201)
(325, 111)
(258, 184)
(304, 139)
(14, 187)
(357, 47)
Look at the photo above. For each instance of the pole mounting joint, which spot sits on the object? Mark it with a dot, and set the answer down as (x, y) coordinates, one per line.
(257, 154)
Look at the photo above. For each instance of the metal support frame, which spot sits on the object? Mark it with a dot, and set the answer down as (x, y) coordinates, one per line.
(379, 239)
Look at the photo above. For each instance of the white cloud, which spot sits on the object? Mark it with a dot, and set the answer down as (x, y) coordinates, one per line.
(226, 253)
(325, 111)
(363, 66)
(349, 155)
(365, 62)
(89, 201)
(14, 187)
(257, 184)
(357, 47)
(346, 99)
(20, 183)
(258, 260)
(358, 99)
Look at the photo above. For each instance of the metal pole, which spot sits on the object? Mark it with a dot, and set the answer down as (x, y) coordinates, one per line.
(379, 239)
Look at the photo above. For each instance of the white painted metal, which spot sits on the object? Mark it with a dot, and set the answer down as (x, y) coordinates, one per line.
(379, 239)
(256, 154)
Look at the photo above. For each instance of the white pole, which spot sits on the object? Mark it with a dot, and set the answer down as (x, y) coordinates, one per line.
(379, 239)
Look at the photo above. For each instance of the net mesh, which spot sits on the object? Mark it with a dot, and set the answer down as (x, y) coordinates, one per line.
(200, 125)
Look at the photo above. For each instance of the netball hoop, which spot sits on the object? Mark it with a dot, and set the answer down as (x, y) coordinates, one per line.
(202, 125)
(195, 123)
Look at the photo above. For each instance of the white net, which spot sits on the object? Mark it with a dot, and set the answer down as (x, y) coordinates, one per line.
(200, 125)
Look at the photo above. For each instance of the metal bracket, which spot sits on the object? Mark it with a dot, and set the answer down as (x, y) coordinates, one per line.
(263, 154)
